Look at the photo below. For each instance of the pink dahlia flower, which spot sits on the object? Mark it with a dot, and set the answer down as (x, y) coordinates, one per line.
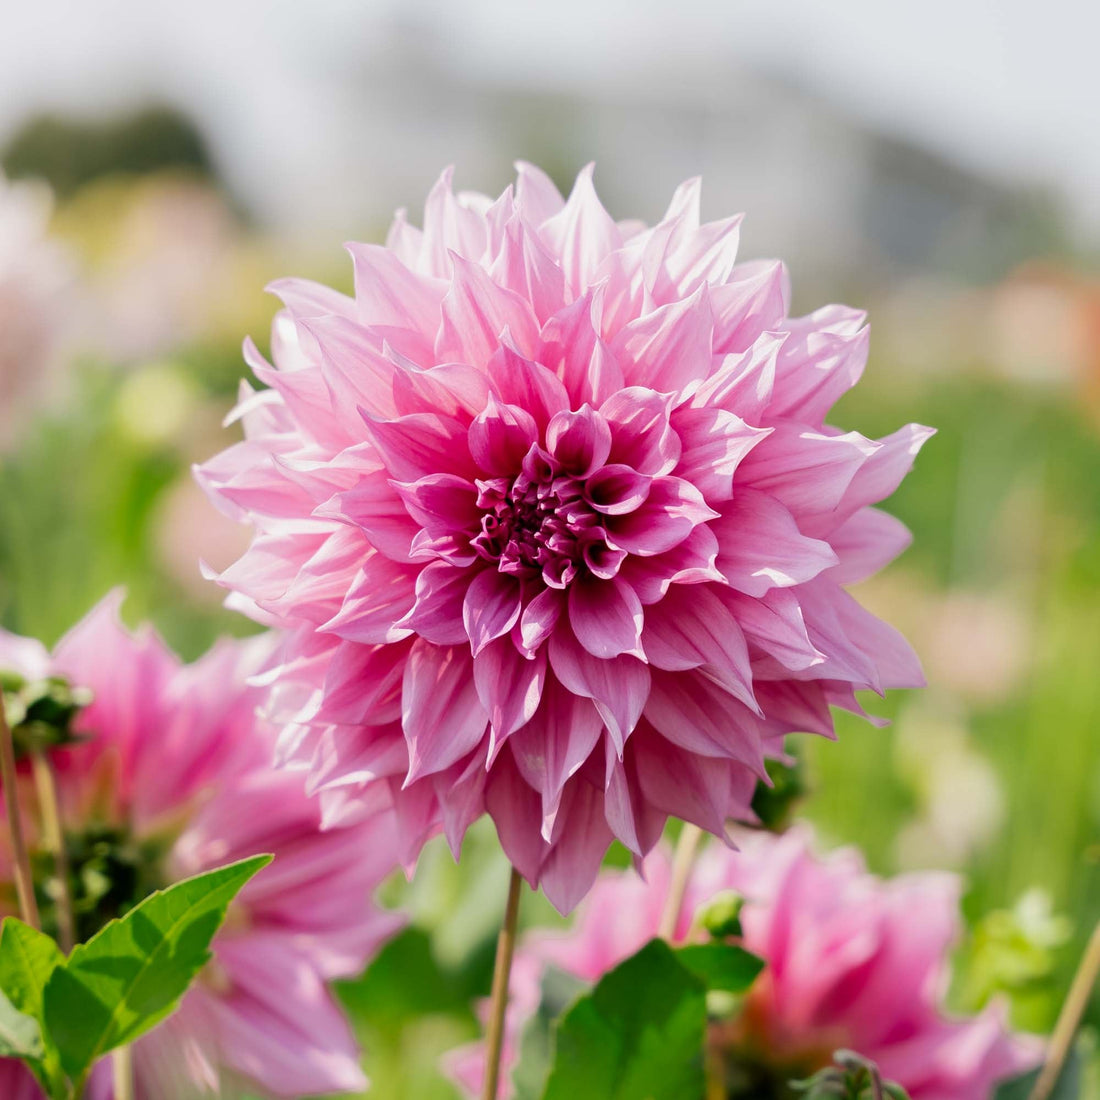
(852, 961)
(551, 511)
(175, 779)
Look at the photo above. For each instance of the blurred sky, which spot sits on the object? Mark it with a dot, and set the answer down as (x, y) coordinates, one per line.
(1006, 87)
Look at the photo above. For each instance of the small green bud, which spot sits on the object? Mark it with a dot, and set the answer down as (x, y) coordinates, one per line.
(721, 916)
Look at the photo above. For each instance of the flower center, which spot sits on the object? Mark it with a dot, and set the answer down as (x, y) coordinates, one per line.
(110, 871)
(544, 523)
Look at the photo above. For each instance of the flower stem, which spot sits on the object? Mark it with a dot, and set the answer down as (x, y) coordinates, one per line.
(122, 1068)
(506, 945)
(1069, 1019)
(24, 882)
(54, 836)
(682, 863)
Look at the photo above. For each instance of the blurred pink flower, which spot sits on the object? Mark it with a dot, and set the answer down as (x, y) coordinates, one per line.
(852, 961)
(551, 512)
(34, 274)
(176, 779)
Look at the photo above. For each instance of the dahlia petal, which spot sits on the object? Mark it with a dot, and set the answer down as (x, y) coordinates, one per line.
(641, 430)
(885, 467)
(450, 227)
(670, 348)
(381, 594)
(580, 441)
(574, 861)
(552, 746)
(437, 613)
(689, 629)
(745, 382)
(460, 791)
(528, 385)
(475, 313)
(752, 302)
(524, 266)
(618, 685)
(774, 624)
(516, 814)
(806, 470)
(387, 292)
(693, 711)
(793, 707)
(714, 443)
(537, 198)
(866, 543)
(441, 713)
(540, 616)
(581, 234)
(404, 240)
(706, 256)
(818, 365)
(509, 686)
(616, 489)
(414, 446)
(491, 608)
(375, 506)
(671, 511)
(761, 546)
(500, 437)
(354, 368)
(606, 617)
(306, 298)
(682, 784)
(454, 389)
(689, 562)
(618, 804)
(442, 504)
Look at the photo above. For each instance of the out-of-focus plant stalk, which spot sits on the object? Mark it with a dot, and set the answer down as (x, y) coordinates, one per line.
(122, 1070)
(24, 882)
(506, 945)
(54, 836)
(682, 864)
(1069, 1019)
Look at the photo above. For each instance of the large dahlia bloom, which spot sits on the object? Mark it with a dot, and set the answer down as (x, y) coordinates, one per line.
(852, 961)
(173, 779)
(552, 515)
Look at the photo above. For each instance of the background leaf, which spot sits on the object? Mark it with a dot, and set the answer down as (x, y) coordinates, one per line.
(1067, 1087)
(639, 1033)
(132, 973)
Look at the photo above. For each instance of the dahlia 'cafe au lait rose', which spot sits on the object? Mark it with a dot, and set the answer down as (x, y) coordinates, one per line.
(168, 775)
(851, 960)
(554, 524)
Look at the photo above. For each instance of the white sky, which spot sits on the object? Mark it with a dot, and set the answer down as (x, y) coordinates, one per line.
(1007, 86)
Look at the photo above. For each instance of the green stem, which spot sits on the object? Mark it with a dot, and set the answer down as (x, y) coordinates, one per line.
(54, 837)
(122, 1067)
(682, 863)
(506, 945)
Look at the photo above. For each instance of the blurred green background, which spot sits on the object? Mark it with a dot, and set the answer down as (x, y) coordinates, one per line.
(121, 356)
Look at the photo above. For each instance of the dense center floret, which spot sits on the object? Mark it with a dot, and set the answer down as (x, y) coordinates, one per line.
(544, 522)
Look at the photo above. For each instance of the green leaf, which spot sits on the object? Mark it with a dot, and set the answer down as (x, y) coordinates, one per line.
(536, 1043)
(20, 1035)
(133, 972)
(27, 959)
(639, 1033)
(721, 965)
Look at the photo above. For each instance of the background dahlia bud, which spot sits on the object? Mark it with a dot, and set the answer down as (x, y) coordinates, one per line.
(556, 525)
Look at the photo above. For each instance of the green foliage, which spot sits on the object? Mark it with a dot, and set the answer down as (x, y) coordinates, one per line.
(721, 966)
(775, 805)
(536, 1045)
(721, 916)
(27, 961)
(40, 713)
(20, 1035)
(119, 984)
(639, 1033)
